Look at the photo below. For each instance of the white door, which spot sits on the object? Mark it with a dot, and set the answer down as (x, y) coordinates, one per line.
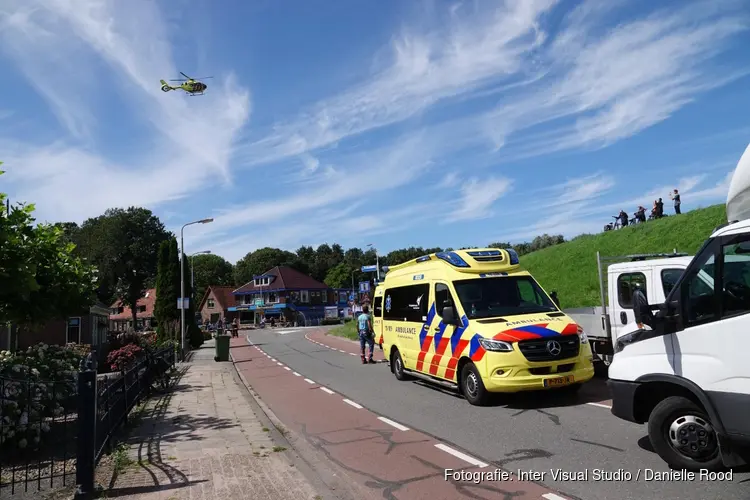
(710, 346)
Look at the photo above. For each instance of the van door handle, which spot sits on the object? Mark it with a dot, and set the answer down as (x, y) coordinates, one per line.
(624, 318)
(436, 328)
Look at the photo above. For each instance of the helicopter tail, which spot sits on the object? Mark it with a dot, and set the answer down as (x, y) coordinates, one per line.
(165, 87)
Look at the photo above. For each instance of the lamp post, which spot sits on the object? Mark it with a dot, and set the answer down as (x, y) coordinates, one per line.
(192, 268)
(377, 261)
(182, 282)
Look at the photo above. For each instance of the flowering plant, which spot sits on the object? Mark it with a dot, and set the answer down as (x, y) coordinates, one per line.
(36, 386)
(123, 357)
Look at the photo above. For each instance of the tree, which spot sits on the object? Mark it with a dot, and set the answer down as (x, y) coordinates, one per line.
(40, 278)
(260, 261)
(211, 270)
(339, 276)
(124, 245)
(192, 333)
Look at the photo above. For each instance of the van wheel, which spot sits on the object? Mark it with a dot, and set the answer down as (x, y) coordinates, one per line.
(682, 434)
(397, 365)
(472, 386)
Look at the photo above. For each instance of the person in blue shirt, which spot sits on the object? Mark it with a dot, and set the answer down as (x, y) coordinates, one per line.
(366, 334)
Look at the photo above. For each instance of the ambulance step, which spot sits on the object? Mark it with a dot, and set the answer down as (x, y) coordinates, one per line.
(433, 380)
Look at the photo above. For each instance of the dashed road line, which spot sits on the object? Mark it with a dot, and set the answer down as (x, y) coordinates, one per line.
(352, 354)
(274, 360)
(280, 364)
(600, 405)
(352, 403)
(287, 368)
(309, 381)
(393, 424)
(341, 350)
(326, 389)
(552, 496)
(297, 374)
(463, 456)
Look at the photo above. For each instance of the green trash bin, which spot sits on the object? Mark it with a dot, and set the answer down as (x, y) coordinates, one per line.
(222, 348)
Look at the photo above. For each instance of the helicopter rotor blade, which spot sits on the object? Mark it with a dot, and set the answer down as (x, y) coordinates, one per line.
(183, 74)
(179, 80)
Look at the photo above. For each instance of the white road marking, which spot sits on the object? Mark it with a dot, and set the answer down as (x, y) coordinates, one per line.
(341, 350)
(352, 354)
(287, 368)
(309, 381)
(462, 456)
(326, 389)
(352, 403)
(552, 496)
(272, 359)
(600, 405)
(393, 424)
(280, 364)
(297, 374)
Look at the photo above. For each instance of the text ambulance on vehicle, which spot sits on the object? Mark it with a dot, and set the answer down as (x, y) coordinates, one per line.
(688, 375)
(472, 320)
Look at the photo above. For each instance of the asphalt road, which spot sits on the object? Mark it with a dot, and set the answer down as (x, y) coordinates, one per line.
(537, 432)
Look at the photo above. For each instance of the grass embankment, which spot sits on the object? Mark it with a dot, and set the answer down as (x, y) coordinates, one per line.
(570, 268)
(347, 330)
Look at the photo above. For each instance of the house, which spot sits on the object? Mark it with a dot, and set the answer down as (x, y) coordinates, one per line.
(90, 326)
(121, 318)
(285, 293)
(216, 303)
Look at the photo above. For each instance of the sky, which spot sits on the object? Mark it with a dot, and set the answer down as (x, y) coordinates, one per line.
(419, 123)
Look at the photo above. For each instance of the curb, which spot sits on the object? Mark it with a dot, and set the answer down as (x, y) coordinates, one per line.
(325, 481)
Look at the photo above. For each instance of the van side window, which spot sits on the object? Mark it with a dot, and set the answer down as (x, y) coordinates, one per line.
(669, 279)
(735, 277)
(377, 307)
(407, 303)
(626, 284)
(443, 298)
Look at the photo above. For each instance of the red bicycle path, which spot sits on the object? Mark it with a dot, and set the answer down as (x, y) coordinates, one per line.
(594, 393)
(383, 458)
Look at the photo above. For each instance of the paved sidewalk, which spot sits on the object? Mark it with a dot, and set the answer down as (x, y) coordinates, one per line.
(205, 441)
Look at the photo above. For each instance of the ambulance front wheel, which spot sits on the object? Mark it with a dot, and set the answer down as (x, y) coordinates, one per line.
(472, 386)
(397, 366)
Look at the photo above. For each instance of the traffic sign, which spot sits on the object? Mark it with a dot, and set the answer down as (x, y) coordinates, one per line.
(364, 287)
(369, 269)
(352, 296)
(185, 303)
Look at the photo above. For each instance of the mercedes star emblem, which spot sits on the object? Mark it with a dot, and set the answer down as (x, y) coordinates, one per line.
(554, 347)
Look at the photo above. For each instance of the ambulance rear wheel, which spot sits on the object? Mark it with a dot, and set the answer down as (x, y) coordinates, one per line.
(472, 386)
(397, 365)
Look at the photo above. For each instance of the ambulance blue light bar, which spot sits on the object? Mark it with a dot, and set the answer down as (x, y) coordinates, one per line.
(513, 256)
(452, 258)
(423, 258)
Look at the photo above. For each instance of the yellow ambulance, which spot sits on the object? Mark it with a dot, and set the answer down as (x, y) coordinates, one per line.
(474, 321)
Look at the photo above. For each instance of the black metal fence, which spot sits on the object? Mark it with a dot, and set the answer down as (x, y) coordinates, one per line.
(53, 432)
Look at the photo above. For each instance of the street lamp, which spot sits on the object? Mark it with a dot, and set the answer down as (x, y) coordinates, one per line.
(182, 282)
(377, 261)
(192, 268)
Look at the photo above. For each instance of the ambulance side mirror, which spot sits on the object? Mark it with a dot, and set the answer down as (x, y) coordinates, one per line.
(449, 316)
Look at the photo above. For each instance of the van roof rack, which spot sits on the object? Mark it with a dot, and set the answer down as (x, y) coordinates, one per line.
(642, 256)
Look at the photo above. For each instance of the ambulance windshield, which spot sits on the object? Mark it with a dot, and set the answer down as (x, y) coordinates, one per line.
(505, 296)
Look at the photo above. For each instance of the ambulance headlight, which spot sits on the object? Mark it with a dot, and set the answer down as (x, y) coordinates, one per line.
(582, 335)
(495, 345)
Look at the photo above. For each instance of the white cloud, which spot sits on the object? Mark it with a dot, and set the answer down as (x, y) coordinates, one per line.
(66, 41)
(473, 51)
(477, 198)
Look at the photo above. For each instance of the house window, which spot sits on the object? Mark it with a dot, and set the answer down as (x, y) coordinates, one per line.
(120, 310)
(273, 298)
(211, 303)
(247, 299)
(141, 309)
(304, 296)
(73, 334)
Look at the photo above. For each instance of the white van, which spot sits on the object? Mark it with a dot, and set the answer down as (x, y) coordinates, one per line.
(689, 376)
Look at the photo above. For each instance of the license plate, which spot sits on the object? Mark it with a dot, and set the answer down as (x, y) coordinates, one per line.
(559, 381)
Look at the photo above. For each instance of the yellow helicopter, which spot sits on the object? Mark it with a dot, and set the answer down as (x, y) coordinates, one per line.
(191, 86)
